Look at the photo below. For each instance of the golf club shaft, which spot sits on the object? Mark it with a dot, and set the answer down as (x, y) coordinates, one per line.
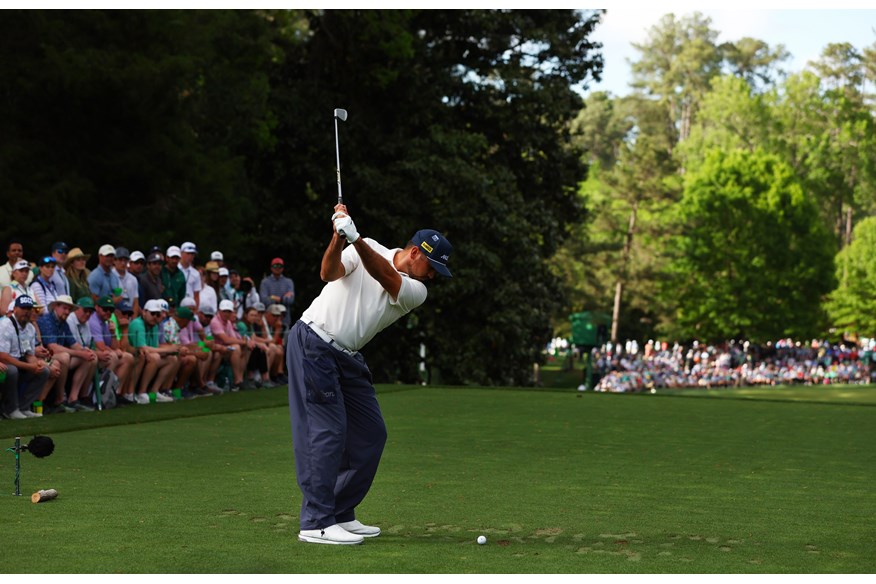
(338, 168)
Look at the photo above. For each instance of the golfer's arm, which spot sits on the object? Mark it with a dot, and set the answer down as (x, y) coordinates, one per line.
(380, 269)
(332, 268)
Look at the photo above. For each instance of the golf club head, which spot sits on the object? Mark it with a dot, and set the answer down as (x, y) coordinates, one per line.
(341, 114)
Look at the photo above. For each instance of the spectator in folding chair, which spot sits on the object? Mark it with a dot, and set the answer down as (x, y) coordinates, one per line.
(74, 358)
(59, 278)
(26, 374)
(187, 355)
(127, 281)
(14, 252)
(43, 287)
(110, 353)
(103, 281)
(18, 286)
(225, 333)
(160, 364)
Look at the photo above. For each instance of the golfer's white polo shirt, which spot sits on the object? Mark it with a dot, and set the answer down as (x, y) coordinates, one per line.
(354, 308)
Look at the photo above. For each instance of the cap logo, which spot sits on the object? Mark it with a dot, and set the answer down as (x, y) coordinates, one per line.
(446, 258)
(426, 246)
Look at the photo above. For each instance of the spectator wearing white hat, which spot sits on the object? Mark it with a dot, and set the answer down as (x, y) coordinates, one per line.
(226, 292)
(204, 316)
(137, 263)
(160, 364)
(188, 251)
(18, 286)
(14, 252)
(225, 333)
(102, 281)
(127, 281)
(217, 257)
(172, 278)
(81, 361)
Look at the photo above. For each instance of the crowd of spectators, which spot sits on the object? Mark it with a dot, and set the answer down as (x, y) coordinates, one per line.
(139, 327)
(658, 365)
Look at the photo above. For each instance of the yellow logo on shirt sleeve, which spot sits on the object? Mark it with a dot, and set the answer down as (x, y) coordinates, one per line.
(426, 246)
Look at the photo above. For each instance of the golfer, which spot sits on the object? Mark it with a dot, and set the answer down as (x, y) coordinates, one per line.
(338, 432)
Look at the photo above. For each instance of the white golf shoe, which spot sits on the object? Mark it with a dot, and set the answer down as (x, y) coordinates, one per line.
(356, 527)
(334, 534)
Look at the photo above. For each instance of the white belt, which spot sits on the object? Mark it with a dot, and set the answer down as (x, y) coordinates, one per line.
(327, 338)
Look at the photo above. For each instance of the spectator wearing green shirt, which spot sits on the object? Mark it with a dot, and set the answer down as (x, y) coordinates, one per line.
(173, 278)
(160, 361)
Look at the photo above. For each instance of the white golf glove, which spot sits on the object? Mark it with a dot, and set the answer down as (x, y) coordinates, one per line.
(345, 227)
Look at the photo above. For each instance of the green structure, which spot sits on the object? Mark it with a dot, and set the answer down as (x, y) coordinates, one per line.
(589, 329)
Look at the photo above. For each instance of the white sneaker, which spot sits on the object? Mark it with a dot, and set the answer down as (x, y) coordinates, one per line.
(30, 414)
(142, 399)
(334, 534)
(357, 528)
(161, 397)
(15, 415)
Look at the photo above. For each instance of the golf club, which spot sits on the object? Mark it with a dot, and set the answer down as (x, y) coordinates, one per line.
(340, 114)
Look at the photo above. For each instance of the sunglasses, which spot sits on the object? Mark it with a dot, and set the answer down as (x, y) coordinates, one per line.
(155, 314)
(48, 260)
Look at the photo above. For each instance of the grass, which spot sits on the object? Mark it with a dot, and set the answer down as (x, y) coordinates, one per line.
(558, 481)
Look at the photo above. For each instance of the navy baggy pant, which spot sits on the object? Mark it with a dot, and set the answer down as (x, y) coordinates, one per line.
(338, 431)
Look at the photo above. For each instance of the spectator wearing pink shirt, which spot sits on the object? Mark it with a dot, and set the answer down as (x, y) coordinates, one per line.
(225, 333)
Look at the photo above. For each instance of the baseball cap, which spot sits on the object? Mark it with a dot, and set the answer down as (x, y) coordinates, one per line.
(124, 306)
(23, 301)
(162, 304)
(185, 312)
(189, 247)
(278, 261)
(60, 246)
(152, 306)
(21, 265)
(173, 252)
(277, 309)
(226, 305)
(85, 302)
(106, 250)
(436, 248)
(45, 260)
(259, 306)
(217, 256)
(223, 272)
(188, 301)
(208, 309)
(122, 252)
(154, 257)
(136, 256)
(106, 302)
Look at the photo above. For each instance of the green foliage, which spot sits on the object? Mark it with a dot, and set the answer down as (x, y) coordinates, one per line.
(753, 255)
(852, 306)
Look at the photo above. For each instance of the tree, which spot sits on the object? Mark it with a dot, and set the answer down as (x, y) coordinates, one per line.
(753, 257)
(852, 306)
(755, 61)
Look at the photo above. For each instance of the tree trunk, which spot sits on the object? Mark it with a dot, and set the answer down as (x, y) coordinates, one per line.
(625, 260)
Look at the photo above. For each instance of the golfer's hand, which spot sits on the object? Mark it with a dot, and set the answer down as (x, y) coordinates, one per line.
(345, 227)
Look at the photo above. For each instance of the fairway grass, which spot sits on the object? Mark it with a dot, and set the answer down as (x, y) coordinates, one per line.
(559, 482)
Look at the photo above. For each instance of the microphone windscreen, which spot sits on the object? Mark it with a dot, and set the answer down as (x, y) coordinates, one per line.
(41, 446)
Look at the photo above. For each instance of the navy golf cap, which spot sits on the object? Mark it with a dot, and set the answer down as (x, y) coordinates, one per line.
(24, 302)
(436, 248)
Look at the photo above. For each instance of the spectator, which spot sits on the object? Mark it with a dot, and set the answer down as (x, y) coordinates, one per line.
(77, 320)
(243, 291)
(220, 352)
(275, 326)
(226, 292)
(137, 263)
(77, 273)
(217, 257)
(59, 278)
(191, 335)
(102, 281)
(210, 289)
(160, 364)
(26, 374)
(18, 286)
(43, 289)
(189, 353)
(127, 281)
(225, 333)
(14, 252)
(173, 279)
(110, 353)
(151, 284)
(277, 288)
(262, 356)
(188, 251)
(74, 358)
